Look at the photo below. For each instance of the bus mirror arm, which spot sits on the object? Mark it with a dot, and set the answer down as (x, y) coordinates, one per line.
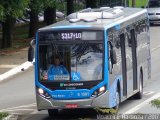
(31, 51)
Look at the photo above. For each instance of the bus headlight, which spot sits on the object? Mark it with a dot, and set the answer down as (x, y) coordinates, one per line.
(43, 93)
(102, 89)
(99, 91)
(40, 91)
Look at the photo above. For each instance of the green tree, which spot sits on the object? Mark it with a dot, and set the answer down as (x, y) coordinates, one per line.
(35, 7)
(1, 12)
(9, 11)
(91, 3)
(133, 3)
(50, 11)
(70, 8)
(50, 15)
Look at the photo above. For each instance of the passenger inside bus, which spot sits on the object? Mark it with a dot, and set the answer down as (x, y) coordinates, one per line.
(57, 71)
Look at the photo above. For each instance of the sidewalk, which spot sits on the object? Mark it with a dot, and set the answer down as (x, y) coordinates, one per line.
(12, 63)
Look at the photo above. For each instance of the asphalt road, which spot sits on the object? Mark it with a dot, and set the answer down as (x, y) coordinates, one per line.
(17, 93)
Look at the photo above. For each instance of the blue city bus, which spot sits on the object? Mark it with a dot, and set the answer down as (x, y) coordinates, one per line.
(106, 53)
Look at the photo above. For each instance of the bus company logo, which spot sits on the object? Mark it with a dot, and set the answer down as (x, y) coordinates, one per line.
(70, 84)
(61, 84)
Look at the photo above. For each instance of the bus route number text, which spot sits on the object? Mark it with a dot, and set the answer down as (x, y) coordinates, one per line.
(71, 36)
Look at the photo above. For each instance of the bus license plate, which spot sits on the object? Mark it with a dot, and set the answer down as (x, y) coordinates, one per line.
(71, 105)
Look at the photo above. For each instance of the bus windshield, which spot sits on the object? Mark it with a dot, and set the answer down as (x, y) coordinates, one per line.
(70, 61)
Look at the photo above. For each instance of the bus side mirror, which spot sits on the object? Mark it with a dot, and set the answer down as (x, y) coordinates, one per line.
(113, 59)
(31, 51)
(33, 42)
(113, 56)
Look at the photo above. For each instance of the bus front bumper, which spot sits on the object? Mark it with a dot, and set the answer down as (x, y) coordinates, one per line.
(100, 101)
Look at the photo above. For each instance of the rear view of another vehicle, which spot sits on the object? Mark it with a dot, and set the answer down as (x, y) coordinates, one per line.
(153, 8)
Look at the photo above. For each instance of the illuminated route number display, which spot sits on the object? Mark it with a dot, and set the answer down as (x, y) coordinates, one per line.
(71, 36)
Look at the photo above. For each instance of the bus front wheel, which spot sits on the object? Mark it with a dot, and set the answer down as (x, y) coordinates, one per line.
(52, 112)
(117, 101)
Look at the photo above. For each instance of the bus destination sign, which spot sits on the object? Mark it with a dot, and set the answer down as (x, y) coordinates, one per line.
(71, 36)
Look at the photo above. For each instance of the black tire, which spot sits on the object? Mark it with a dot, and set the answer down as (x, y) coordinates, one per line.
(53, 112)
(139, 95)
(151, 24)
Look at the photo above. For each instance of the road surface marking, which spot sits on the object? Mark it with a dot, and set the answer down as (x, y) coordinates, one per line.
(27, 109)
(142, 104)
(18, 107)
(148, 92)
(8, 66)
(34, 112)
(155, 48)
(15, 70)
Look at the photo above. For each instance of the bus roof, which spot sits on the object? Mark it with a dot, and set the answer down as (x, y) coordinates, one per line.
(97, 18)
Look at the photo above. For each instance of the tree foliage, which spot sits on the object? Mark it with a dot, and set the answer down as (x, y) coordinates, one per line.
(9, 11)
(49, 11)
(49, 3)
(12, 8)
(91, 3)
(70, 8)
(36, 5)
(1, 12)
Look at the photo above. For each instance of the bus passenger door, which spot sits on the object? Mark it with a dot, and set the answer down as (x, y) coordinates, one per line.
(129, 63)
(124, 68)
(134, 58)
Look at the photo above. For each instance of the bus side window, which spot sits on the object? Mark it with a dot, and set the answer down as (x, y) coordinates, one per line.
(129, 39)
(133, 37)
(117, 42)
(112, 56)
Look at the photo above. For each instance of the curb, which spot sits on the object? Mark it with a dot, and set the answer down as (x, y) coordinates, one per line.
(16, 70)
